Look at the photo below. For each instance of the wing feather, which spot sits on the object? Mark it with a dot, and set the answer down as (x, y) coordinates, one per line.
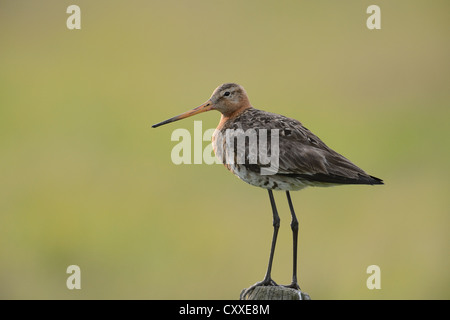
(301, 153)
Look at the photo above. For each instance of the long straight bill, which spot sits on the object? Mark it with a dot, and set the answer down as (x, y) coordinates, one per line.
(203, 108)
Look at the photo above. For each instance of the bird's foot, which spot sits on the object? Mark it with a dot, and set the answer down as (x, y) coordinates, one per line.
(264, 283)
(293, 285)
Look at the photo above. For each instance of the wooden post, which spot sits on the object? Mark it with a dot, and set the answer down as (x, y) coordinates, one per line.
(274, 293)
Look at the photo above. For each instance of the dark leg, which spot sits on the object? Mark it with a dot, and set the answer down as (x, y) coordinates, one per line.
(276, 225)
(294, 227)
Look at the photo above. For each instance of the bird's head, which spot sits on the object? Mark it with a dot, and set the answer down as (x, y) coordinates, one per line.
(228, 99)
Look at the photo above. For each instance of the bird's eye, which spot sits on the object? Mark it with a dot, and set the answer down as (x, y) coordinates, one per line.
(227, 93)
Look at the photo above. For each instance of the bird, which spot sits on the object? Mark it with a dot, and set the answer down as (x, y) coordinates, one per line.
(300, 158)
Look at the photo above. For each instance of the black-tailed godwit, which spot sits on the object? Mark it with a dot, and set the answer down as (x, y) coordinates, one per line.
(302, 158)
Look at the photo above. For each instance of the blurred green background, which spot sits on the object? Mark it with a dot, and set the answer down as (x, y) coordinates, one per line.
(85, 180)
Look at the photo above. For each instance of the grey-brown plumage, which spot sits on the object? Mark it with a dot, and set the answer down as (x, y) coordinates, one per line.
(304, 159)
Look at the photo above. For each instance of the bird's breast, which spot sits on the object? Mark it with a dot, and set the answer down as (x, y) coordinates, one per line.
(235, 156)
